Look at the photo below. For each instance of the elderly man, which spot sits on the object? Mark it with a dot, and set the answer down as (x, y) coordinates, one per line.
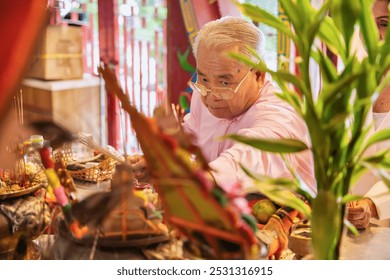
(231, 98)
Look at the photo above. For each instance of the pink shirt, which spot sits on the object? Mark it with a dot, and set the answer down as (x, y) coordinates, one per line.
(269, 117)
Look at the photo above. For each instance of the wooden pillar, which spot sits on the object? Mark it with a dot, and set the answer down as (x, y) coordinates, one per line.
(109, 55)
(185, 18)
(177, 40)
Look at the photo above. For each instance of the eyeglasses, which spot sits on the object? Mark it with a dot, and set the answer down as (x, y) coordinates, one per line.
(225, 93)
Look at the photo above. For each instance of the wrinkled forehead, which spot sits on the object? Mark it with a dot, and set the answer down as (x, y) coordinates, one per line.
(216, 59)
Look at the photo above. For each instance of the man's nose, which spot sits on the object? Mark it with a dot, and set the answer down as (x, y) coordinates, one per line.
(212, 96)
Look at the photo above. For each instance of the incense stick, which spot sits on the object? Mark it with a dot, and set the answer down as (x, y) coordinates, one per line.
(93, 145)
(21, 107)
(174, 112)
(18, 107)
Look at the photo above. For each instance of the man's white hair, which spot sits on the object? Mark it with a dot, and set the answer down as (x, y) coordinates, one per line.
(230, 31)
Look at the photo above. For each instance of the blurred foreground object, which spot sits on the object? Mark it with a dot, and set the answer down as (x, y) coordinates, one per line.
(21, 23)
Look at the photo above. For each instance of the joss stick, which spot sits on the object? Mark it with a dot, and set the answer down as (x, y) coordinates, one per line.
(174, 112)
(21, 107)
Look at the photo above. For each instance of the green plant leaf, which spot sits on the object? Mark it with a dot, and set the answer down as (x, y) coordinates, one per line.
(384, 175)
(380, 160)
(331, 90)
(345, 21)
(350, 197)
(357, 173)
(369, 30)
(331, 36)
(357, 151)
(293, 10)
(329, 71)
(351, 227)
(259, 15)
(336, 121)
(279, 190)
(385, 48)
(312, 27)
(270, 145)
(368, 82)
(292, 98)
(384, 82)
(260, 65)
(377, 137)
(293, 79)
(379, 169)
(288, 183)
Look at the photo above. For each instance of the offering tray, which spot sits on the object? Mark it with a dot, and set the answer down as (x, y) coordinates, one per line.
(131, 240)
(21, 192)
(33, 179)
(107, 248)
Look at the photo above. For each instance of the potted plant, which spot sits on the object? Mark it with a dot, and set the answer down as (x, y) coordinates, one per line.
(336, 120)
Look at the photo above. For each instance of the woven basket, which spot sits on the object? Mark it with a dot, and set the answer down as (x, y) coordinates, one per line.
(101, 172)
(63, 154)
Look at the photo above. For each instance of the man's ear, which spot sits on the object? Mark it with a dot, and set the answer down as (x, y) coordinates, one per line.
(260, 77)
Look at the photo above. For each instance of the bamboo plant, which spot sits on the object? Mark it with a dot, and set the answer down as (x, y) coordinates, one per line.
(336, 120)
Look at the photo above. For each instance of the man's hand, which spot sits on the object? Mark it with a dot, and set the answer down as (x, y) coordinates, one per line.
(138, 165)
(360, 212)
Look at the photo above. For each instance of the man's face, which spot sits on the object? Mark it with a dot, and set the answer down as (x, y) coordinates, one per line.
(381, 14)
(215, 69)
